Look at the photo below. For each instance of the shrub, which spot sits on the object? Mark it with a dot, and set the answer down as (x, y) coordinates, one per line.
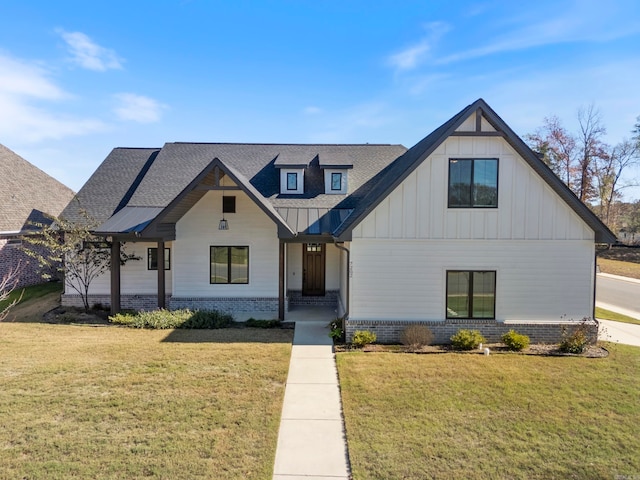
(363, 337)
(577, 341)
(252, 322)
(467, 339)
(337, 329)
(515, 341)
(416, 336)
(164, 319)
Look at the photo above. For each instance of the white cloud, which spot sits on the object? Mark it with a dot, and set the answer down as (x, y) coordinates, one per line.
(138, 108)
(88, 54)
(412, 56)
(311, 110)
(23, 88)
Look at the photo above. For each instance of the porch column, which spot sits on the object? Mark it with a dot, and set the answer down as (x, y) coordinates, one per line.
(281, 274)
(161, 279)
(115, 277)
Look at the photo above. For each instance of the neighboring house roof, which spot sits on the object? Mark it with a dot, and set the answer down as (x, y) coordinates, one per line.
(145, 191)
(28, 195)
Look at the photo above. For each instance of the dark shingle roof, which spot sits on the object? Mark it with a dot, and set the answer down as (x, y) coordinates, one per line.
(27, 193)
(165, 179)
(112, 184)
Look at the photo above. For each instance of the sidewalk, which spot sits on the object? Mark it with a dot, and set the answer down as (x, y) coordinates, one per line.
(311, 440)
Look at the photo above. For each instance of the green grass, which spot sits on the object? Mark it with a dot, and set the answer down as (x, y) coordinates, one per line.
(111, 403)
(502, 416)
(33, 292)
(617, 317)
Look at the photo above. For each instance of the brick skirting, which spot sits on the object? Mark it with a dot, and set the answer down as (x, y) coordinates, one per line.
(127, 302)
(390, 331)
(329, 299)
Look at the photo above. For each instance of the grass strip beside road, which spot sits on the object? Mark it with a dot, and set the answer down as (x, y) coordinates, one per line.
(616, 317)
(616, 267)
(83, 402)
(502, 416)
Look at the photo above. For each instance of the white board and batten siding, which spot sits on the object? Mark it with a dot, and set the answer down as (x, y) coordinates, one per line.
(135, 277)
(197, 231)
(541, 250)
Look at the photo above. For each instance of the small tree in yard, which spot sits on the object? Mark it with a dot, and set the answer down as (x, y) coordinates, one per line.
(71, 249)
(7, 285)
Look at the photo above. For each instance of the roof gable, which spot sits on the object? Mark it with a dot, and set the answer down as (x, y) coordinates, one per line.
(477, 119)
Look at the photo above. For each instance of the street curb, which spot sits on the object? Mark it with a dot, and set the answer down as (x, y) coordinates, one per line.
(619, 277)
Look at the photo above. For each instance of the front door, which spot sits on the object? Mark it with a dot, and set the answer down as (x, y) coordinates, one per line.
(313, 265)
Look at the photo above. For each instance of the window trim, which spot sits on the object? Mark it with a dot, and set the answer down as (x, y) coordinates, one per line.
(167, 252)
(292, 175)
(470, 294)
(471, 186)
(228, 247)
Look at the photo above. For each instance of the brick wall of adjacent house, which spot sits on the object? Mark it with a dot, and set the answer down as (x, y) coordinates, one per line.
(390, 331)
(13, 256)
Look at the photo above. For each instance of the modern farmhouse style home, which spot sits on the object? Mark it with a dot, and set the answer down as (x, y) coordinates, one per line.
(466, 228)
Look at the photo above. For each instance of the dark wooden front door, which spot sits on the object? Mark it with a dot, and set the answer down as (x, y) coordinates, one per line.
(313, 265)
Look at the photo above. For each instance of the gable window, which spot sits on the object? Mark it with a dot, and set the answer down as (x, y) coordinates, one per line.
(228, 204)
(152, 259)
(471, 294)
(473, 183)
(292, 181)
(336, 181)
(229, 265)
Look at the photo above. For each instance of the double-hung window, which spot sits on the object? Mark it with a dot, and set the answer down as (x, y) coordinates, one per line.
(229, 265)
(473, 183)
(471, 294)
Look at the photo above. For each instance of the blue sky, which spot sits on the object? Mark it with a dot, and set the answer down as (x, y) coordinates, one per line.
(78, 78)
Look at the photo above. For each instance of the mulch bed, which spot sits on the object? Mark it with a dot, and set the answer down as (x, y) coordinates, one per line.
(592, 351)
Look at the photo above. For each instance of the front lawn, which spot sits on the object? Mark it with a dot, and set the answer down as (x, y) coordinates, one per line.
(502, 416)
(616, 317)
(108, 402)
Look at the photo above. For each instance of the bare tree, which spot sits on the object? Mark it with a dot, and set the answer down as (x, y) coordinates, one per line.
(608, 175)
(558, 149)
(591, 149)
(7, 286)
(72, 249)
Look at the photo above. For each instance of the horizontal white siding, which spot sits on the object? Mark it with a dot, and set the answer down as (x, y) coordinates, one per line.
(135, 279)
(198, 230)
(528, 209)
(536, 280)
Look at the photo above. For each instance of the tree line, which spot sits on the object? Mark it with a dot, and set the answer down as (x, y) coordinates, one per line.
(595, 171)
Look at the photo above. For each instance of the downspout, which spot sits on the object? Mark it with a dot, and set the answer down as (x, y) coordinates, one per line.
(340, 245)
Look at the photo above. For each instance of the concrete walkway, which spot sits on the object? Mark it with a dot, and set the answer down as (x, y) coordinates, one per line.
(311, 440)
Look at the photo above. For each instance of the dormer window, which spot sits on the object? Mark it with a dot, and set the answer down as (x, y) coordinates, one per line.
(336, 181)
(292, 181)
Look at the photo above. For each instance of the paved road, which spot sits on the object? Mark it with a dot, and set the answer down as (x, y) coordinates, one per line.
(619, 332)
(621, 294)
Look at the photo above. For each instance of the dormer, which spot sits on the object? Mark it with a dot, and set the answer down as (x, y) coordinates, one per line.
(336, 178)
(291, 174)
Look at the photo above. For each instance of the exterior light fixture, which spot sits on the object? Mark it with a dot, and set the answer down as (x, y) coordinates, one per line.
(223, 225)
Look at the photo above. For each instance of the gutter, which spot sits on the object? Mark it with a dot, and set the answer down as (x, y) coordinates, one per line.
(340, 245)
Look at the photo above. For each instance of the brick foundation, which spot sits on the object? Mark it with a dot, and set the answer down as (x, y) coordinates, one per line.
(329, 299)
(390, 331)
(232, 305)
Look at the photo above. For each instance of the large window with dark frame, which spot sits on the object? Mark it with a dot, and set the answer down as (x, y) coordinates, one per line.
(471, 294)
(152, 259)
(229, 265)
(473, 183)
